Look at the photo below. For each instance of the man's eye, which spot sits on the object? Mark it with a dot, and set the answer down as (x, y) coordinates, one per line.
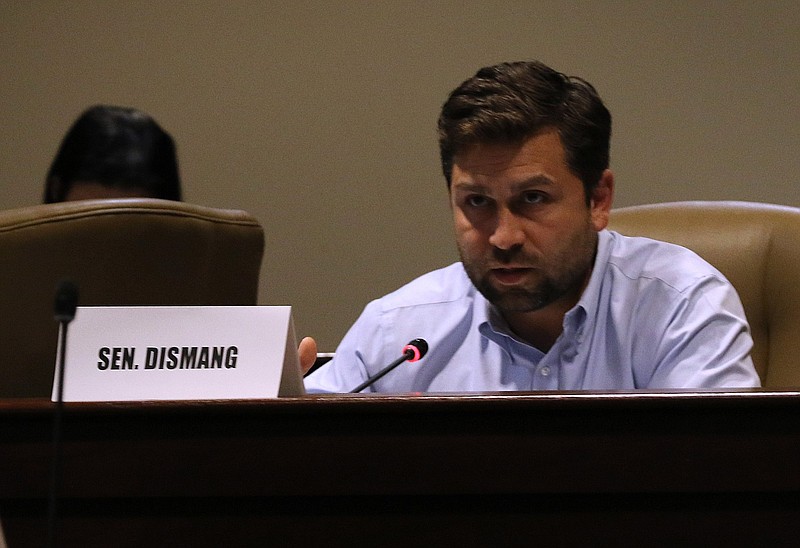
(476, 200)
(532, 198)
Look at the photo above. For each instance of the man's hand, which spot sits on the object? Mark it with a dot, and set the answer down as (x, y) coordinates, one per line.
(307, 350)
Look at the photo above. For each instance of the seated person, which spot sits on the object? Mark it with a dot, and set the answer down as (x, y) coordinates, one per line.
(114, 152)
(545, 297)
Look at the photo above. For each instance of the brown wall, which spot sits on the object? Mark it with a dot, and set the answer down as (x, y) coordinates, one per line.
(318, 116)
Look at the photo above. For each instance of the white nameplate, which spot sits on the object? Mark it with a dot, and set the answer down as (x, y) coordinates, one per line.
(180, 353)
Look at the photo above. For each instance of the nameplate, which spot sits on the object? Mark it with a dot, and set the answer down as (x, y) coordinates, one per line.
(179, 353)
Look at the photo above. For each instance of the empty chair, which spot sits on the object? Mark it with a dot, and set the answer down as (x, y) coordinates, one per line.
(118, 252)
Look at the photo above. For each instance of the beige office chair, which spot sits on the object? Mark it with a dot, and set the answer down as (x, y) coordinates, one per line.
(757, 247)
(118, 252)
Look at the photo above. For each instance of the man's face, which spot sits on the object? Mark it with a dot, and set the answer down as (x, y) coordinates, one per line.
(526, 236)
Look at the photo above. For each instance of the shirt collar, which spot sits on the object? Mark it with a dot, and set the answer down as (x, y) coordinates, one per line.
(491, 323)
(590, 298)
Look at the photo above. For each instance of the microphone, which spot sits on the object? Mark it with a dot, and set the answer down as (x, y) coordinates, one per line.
(66, 303)
(64, 309)
(412, 352)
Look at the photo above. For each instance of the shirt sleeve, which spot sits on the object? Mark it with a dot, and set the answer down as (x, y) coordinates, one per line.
(705, 340)
(347, 369)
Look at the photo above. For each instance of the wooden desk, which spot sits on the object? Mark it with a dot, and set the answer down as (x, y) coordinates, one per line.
(475, 470)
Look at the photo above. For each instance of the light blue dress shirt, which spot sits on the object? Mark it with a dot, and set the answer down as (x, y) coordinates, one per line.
(653, 316)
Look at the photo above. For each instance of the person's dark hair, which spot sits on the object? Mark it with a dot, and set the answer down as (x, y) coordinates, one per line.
(510, 102)
(119, 147)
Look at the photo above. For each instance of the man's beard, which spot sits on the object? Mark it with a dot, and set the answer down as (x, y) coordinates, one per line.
(568, 276)
(520, 299)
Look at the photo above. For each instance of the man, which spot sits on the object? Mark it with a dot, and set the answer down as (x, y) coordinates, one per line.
(545, 297)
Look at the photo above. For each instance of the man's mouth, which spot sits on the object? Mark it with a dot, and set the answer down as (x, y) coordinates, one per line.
(509, 276)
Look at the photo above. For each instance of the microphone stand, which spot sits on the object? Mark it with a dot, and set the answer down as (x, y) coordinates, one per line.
(407, 355)
(65, 305)
(412, 352)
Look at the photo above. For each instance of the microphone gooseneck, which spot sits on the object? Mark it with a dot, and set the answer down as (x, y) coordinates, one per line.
(412, 352)
(64, 308)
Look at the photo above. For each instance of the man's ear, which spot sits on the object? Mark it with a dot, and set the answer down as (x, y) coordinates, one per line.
(601, 200)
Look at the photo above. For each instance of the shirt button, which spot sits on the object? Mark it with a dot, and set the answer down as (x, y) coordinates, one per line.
(545, 371)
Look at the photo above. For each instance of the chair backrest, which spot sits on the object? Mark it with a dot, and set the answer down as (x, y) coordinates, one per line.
(118, 252)
(757, 247)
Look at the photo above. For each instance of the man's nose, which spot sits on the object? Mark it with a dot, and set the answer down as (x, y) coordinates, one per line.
(508, 232)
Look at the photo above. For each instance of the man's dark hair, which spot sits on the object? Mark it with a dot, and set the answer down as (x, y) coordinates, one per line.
(511, 102)
(119, 147)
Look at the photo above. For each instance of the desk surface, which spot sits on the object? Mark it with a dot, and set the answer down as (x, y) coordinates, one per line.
(459, 470)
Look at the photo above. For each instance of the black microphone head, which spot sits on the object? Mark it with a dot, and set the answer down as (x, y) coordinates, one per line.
(418, 347)
(66, 301)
